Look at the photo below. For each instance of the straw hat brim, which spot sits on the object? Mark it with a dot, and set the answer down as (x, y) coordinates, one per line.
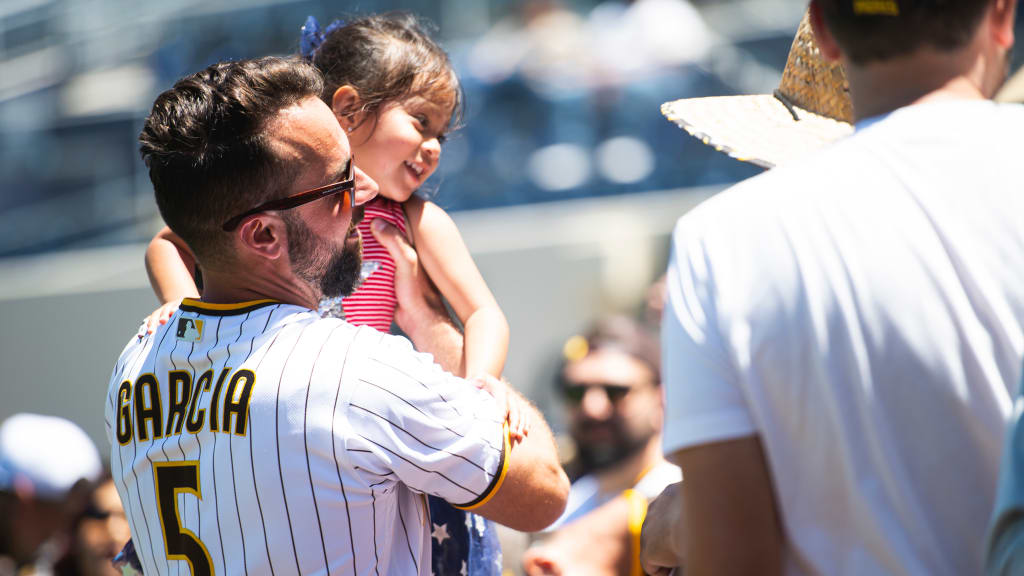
(758, 129)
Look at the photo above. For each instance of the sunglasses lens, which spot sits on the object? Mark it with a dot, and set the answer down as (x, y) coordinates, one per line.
(573, 393)
(616, 393)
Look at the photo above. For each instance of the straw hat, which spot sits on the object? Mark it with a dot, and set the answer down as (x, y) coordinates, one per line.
(810, 109)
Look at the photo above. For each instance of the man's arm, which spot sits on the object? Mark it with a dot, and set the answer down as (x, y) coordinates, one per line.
(535, 489)
(453, 439)
(723, 520)
(420, 314)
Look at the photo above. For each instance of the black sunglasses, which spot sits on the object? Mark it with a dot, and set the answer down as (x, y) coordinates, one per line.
(575, 392)
(345, 186)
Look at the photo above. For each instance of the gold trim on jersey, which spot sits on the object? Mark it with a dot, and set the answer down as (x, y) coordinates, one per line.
(506, 449)
(193, 305)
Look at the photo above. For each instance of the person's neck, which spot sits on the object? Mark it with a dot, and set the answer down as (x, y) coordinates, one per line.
(928, 75)
(627, 473)
(238, 285)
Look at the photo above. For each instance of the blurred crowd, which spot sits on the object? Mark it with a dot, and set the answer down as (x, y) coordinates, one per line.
(60, 513)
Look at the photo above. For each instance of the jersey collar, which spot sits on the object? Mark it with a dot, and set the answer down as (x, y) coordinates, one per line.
(193, 305)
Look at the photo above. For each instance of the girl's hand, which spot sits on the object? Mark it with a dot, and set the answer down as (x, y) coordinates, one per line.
(161, 315)
(517, 418)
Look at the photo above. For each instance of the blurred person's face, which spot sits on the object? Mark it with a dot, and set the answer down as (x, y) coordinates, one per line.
(41, 525)
(401, 147)
(614, 406)
(102, 533)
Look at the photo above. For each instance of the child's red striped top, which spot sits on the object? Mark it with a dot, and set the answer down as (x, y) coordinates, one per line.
(374, 303)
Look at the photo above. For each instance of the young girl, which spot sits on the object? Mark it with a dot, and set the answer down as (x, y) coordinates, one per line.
(394, 92)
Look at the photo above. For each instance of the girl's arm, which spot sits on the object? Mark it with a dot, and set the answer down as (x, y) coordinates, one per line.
(447, 261)
(169, 264)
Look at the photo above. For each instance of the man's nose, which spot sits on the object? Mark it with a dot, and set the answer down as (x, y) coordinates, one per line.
(595, 403)
(366, 187)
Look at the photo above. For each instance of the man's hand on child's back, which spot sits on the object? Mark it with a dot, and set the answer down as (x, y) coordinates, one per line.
(421, 313)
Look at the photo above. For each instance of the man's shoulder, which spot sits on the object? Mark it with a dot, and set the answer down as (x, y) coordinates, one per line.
(378, 352)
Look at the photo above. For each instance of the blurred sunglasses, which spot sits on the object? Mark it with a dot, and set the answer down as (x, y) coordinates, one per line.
(575, 392)
(345, 186)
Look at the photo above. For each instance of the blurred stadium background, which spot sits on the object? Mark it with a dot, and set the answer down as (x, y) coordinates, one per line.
(565, 180)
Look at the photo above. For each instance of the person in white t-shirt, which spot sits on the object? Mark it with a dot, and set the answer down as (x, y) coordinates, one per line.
(844, 332)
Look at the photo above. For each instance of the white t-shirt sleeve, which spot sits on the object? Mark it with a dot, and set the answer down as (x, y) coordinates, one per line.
(437, 433)
(703, 399)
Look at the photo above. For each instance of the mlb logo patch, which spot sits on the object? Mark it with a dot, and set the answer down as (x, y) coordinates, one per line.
(190, 329)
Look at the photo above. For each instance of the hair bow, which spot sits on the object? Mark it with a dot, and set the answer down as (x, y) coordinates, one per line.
(312, 36)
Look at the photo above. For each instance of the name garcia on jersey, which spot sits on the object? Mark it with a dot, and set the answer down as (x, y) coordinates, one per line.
(141, 412)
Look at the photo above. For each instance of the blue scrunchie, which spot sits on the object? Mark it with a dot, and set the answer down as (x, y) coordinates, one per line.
(312, 36)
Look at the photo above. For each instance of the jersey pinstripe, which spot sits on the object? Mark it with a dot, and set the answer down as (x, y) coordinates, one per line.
(261, 439)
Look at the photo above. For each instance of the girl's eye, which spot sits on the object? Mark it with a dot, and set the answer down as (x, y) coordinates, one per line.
(441, 138)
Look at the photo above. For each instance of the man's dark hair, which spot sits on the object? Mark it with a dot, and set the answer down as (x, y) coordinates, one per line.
(877, 30)
(206, 147)
(626, 335)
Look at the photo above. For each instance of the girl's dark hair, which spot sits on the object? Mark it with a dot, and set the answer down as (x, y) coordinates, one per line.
(388, 58)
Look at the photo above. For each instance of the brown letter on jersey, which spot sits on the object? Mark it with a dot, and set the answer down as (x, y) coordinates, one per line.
(239, 409)
(151, 413)
(124, 413)
(179, 388)
(196, 417)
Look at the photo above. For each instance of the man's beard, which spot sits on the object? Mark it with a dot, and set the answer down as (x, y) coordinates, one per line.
(596, 456)
(333, 272)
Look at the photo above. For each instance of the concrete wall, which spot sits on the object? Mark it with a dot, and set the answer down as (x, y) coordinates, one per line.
(553, 267)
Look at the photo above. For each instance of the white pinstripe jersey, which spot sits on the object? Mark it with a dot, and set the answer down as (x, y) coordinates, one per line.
(259, 438)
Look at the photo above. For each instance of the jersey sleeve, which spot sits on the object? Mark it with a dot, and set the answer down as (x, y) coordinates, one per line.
(703, 399)
(437, 433)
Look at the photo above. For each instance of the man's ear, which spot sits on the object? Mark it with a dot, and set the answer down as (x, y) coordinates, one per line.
(263, 236)
(1001, 19)
(822, 36)
(345, 104)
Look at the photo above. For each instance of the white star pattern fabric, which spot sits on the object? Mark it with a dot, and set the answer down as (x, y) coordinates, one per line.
(440, 533)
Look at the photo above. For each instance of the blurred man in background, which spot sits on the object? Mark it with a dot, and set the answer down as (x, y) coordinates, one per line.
(99, 534)
(47, 468)
(612, 389)
(844, 333)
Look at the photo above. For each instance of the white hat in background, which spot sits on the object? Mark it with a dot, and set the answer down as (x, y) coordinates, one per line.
(810, 109)
(47, 454)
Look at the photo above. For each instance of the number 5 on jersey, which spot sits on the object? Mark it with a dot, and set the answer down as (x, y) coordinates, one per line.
(173, 478)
